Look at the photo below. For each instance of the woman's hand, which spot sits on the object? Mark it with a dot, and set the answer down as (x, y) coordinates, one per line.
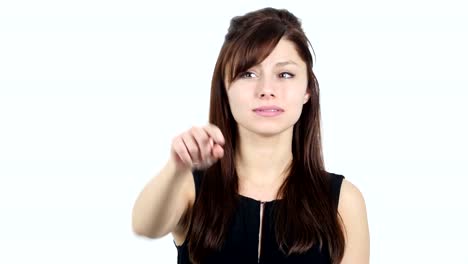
(197, 148)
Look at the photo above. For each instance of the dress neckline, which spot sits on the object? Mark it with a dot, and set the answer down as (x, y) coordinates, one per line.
(250, 199)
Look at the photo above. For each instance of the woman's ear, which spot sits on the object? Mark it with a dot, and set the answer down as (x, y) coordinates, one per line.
(306, 97)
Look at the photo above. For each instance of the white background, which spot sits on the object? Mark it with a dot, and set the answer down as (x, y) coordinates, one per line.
(92, 92)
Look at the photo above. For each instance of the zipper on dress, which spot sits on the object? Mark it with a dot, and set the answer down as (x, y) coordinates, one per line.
(262, 205)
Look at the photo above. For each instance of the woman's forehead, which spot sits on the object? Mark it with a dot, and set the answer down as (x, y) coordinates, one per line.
(284, 53)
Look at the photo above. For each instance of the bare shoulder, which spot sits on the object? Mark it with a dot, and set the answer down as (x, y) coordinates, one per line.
(352, 209)
(350, 197)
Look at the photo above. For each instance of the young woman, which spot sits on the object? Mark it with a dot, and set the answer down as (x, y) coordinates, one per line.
(251, 187)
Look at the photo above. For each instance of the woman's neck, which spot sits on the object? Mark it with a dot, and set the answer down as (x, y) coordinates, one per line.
(262, 161)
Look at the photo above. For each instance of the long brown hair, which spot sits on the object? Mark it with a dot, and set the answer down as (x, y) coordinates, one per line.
(308, 214)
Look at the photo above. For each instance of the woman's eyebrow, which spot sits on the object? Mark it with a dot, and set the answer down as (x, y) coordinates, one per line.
(279, 64)
(282, 63)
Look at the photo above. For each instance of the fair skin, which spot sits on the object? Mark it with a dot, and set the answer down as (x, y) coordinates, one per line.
(352, 209)
(265, 142)
(264, 151)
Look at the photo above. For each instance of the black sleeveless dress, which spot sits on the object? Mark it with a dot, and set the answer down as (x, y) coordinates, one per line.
(241, 244)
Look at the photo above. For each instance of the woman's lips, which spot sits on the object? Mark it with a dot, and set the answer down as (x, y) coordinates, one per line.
(268, 111)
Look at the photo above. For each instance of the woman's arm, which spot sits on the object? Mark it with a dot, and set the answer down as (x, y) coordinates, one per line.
(163, 202)
(352, 209)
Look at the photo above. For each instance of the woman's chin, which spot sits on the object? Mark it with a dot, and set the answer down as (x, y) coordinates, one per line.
(266, 131)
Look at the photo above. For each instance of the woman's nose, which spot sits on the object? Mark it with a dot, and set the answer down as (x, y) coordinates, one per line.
(267, 95)
(266, 88)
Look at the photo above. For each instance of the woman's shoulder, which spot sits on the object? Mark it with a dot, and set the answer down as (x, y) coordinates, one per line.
(352, 209)
(347, 192)
(351, 195)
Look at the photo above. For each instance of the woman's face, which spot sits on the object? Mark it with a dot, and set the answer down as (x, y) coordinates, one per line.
(278, 81)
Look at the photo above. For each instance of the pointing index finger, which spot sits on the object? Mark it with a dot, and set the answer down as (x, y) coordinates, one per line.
(215, 133)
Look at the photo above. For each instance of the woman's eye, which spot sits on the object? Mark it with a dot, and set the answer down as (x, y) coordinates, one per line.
(246, 74)
(286, 75)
